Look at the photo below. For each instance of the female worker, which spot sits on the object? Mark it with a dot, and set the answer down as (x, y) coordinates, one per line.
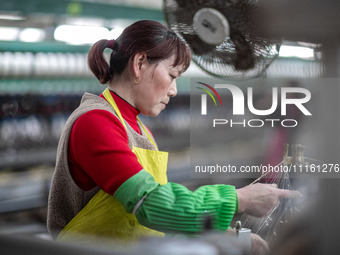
(110, 179)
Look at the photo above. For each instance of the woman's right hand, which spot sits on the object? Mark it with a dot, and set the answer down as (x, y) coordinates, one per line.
(260, 199)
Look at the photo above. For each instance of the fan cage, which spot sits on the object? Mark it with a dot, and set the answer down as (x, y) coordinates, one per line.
(244, 54)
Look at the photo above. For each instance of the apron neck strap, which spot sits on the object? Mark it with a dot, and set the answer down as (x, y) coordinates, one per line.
(109, 98)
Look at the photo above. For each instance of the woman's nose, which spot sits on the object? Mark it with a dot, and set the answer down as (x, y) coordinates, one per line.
(172, 90)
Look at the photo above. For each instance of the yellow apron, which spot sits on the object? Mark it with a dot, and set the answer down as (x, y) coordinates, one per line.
(104, 216)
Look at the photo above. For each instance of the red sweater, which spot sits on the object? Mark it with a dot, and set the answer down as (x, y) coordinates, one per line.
(99, 153)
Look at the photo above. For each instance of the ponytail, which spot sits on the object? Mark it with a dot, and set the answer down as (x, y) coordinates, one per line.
(97, 63)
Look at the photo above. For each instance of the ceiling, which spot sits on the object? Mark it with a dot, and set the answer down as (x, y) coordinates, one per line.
(48, 14)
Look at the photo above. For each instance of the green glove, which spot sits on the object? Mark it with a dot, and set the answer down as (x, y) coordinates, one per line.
(172, 207)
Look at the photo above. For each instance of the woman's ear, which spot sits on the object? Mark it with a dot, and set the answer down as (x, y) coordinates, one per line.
(139, 63)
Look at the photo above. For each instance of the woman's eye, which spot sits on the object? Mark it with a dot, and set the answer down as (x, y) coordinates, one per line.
(172, 76)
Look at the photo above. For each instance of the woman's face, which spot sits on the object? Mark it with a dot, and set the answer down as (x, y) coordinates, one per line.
(157, 85)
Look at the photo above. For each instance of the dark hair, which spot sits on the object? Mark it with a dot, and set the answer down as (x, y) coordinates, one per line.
(154, 39)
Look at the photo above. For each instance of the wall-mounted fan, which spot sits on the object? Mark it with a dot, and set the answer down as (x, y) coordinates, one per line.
(222, 36)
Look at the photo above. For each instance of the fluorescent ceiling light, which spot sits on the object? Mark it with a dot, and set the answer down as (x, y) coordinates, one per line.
(80, 34)
(9, 33)
(296, 51)
(82, 21)
(32, 35)
(11, 17)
